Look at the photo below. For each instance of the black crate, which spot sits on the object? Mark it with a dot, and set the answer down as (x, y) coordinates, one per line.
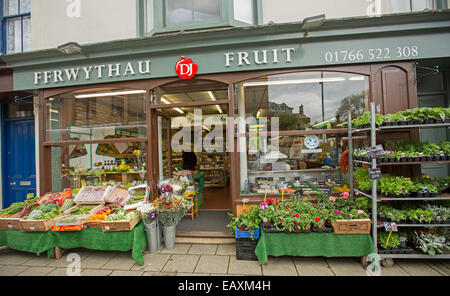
(245, 249)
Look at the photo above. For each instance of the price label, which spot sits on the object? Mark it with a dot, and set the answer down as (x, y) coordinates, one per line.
(325, 190)
(321, 182)
(313, 180)
(390, 226)
(297, 178)
(374, 174)
(375, 152)
(338, 182)
(282, 178)
(302, 183)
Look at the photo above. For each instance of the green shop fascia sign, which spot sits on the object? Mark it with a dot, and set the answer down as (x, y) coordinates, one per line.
(234, 58)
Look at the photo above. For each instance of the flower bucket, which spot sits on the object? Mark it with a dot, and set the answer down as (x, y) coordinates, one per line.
(169, 236)
(153, 233)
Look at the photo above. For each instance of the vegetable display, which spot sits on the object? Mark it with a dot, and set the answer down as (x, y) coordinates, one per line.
(121, 215)
(100, 215)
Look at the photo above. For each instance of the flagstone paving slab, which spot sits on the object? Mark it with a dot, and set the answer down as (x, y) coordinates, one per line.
(178, 249)
(37, 271)
(122, 261)
(97, 259)
(153, 273)
(312, 266)
(11, 270)
(203, 249)
(417, 268)
(244, 267)
(13, 257)
(192, 274)
(95, 272)
(41, 260)
(181, 263)
(395, 270)
(346, 267)
(63, 262)
(212, 264)
(126, 273)
(228, 249)
(279, 266)
(59, 271)
(153, 262)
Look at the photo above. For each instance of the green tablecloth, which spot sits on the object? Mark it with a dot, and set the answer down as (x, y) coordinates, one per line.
(313, 244)
(33, 242)
(90, 238)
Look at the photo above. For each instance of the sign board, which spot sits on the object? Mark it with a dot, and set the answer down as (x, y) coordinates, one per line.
(375, 152)
(375, 174)
(325, 190)
(390, 226)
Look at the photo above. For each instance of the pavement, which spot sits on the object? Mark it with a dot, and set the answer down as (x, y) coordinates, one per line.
(193, 259)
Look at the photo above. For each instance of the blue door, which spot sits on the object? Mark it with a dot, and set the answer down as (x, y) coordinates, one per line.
(19, 166)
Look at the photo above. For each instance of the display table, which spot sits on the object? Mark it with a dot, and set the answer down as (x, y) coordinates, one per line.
(313, 244)
(90, 238)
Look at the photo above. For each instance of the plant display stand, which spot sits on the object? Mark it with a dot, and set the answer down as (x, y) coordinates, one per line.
(388, 256)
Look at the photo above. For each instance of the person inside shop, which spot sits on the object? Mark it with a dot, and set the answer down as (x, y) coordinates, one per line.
(189, 160)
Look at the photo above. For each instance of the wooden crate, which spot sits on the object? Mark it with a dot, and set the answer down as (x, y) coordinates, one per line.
(356, 226)
(36, 225)
(98, 223)
(12, 222)
(119, 225)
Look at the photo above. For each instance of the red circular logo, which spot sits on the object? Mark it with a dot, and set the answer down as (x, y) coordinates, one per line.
(185, 68)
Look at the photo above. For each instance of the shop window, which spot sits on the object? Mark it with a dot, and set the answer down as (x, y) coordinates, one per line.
(175, 15)
(97, 137)
(99, 164)
(302, 101)
(94, 115)
(292, 128)
(16, 25)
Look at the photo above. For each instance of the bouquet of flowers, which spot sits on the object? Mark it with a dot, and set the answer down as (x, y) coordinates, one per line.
(171, 208)
(147, 212)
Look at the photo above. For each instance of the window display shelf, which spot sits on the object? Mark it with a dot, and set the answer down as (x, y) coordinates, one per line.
(294, 171)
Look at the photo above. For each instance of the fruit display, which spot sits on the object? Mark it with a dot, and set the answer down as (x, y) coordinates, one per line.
(121, 215)
(100, 215)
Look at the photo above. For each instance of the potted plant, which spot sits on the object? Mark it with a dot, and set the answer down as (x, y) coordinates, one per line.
(430, 243)
(388, 243)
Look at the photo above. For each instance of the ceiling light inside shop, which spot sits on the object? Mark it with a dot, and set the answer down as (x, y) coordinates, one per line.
(54, 111)
(179, 110)
(257, 114)
(211, 95)
(107, 94)
(167, 102)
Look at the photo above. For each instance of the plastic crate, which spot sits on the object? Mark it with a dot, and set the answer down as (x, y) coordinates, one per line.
(246, 233)
(245, 249)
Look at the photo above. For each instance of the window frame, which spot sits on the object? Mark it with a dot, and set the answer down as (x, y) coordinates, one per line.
(160, 24)
(4, 18)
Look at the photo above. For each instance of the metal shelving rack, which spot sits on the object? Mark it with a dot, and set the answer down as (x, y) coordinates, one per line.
(375, 199)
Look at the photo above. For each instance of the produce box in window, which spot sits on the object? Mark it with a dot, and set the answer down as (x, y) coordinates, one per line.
(92, 195)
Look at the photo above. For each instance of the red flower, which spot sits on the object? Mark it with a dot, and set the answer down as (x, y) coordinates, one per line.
(297, 215)
(321, 213)
(317, 219)
(291, 213)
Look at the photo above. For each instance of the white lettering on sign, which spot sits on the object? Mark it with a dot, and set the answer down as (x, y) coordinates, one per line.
(259, 57)
(86, 72)
(371, 54)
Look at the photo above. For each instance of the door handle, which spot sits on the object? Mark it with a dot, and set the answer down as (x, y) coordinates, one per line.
(12, 183)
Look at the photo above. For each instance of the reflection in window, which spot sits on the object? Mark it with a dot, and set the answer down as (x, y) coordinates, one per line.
(95, 115)
(181, 11)
(308, 100)
(295, 101)
(244, 11)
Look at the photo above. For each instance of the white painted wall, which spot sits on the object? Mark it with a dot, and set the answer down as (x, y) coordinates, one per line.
(94, 21)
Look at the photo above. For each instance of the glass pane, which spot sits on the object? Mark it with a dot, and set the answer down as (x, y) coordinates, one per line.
(419, 5)
(11, 7)
(149, 18)
(399, 6)
(17, 110)
(74, 166)
(25, 6)
(91, 115)
(205, 10)
(179, 11)
(292, 163)
(244, 11)
(26, 34)
(190, 91)
(303, 101)
(14, 35)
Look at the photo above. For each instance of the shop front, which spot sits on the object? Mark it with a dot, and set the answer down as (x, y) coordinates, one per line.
(260, 116)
